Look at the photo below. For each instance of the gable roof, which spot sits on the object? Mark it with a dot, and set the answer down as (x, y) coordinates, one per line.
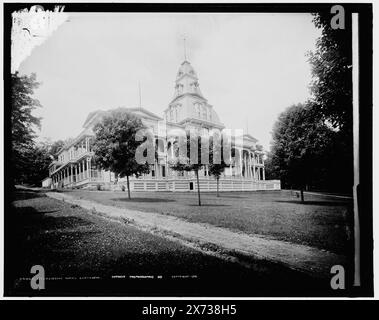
(250, 137)
(139, 111)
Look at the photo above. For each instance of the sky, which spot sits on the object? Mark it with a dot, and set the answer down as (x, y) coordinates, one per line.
(251, 67)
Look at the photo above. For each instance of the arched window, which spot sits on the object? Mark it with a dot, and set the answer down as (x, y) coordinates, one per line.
(197, 109)
(204, 109)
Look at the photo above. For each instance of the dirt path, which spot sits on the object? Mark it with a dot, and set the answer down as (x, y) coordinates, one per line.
(299, 257)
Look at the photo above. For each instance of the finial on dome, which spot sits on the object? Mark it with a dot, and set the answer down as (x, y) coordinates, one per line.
(185, 48)
(139, 93)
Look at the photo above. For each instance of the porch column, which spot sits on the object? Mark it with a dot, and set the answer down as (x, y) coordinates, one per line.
(240, 162)
(88, 169)
(245, 164)
(263, 169)
(250, 164)
(84, 169)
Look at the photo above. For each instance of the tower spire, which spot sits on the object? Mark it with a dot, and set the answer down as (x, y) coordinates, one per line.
(185, 49)
(139, 93)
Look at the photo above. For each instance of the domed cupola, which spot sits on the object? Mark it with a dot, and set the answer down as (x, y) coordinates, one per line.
(186, 81)
(188, 103)
(186, 69)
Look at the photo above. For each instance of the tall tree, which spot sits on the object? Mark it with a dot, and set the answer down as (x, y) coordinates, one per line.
(182, 162)
(115, 144)
(331, 86)
(55, 147)
(217, 162)
(24, 123)
(331, 65)
(40, 160)
(301, 147)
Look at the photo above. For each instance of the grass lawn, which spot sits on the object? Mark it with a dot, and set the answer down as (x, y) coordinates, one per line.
(320, 222)
(69, 241)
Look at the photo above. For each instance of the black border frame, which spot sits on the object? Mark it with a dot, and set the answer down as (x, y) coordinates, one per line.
(365, 189)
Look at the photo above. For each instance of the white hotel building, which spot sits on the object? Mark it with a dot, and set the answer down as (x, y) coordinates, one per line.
(188, 110)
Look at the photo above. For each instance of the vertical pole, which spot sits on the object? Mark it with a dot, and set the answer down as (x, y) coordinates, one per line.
(198, 186)
(90, 167)
(355, 45)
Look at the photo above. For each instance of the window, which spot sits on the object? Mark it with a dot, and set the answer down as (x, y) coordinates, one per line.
(204, 112)
(197, 108)
(194, 86)
(163, 171)
(179, 88)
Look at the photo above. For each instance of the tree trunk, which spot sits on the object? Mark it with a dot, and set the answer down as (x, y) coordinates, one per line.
(198, 186)
(127, 182)
(218, 179)
(302, 195)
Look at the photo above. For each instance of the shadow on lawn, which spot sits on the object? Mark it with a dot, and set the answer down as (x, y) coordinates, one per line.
(317, 203)
(142, 200)
(232, 197)
(37, 220)
(209, 205)
(19, 194)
